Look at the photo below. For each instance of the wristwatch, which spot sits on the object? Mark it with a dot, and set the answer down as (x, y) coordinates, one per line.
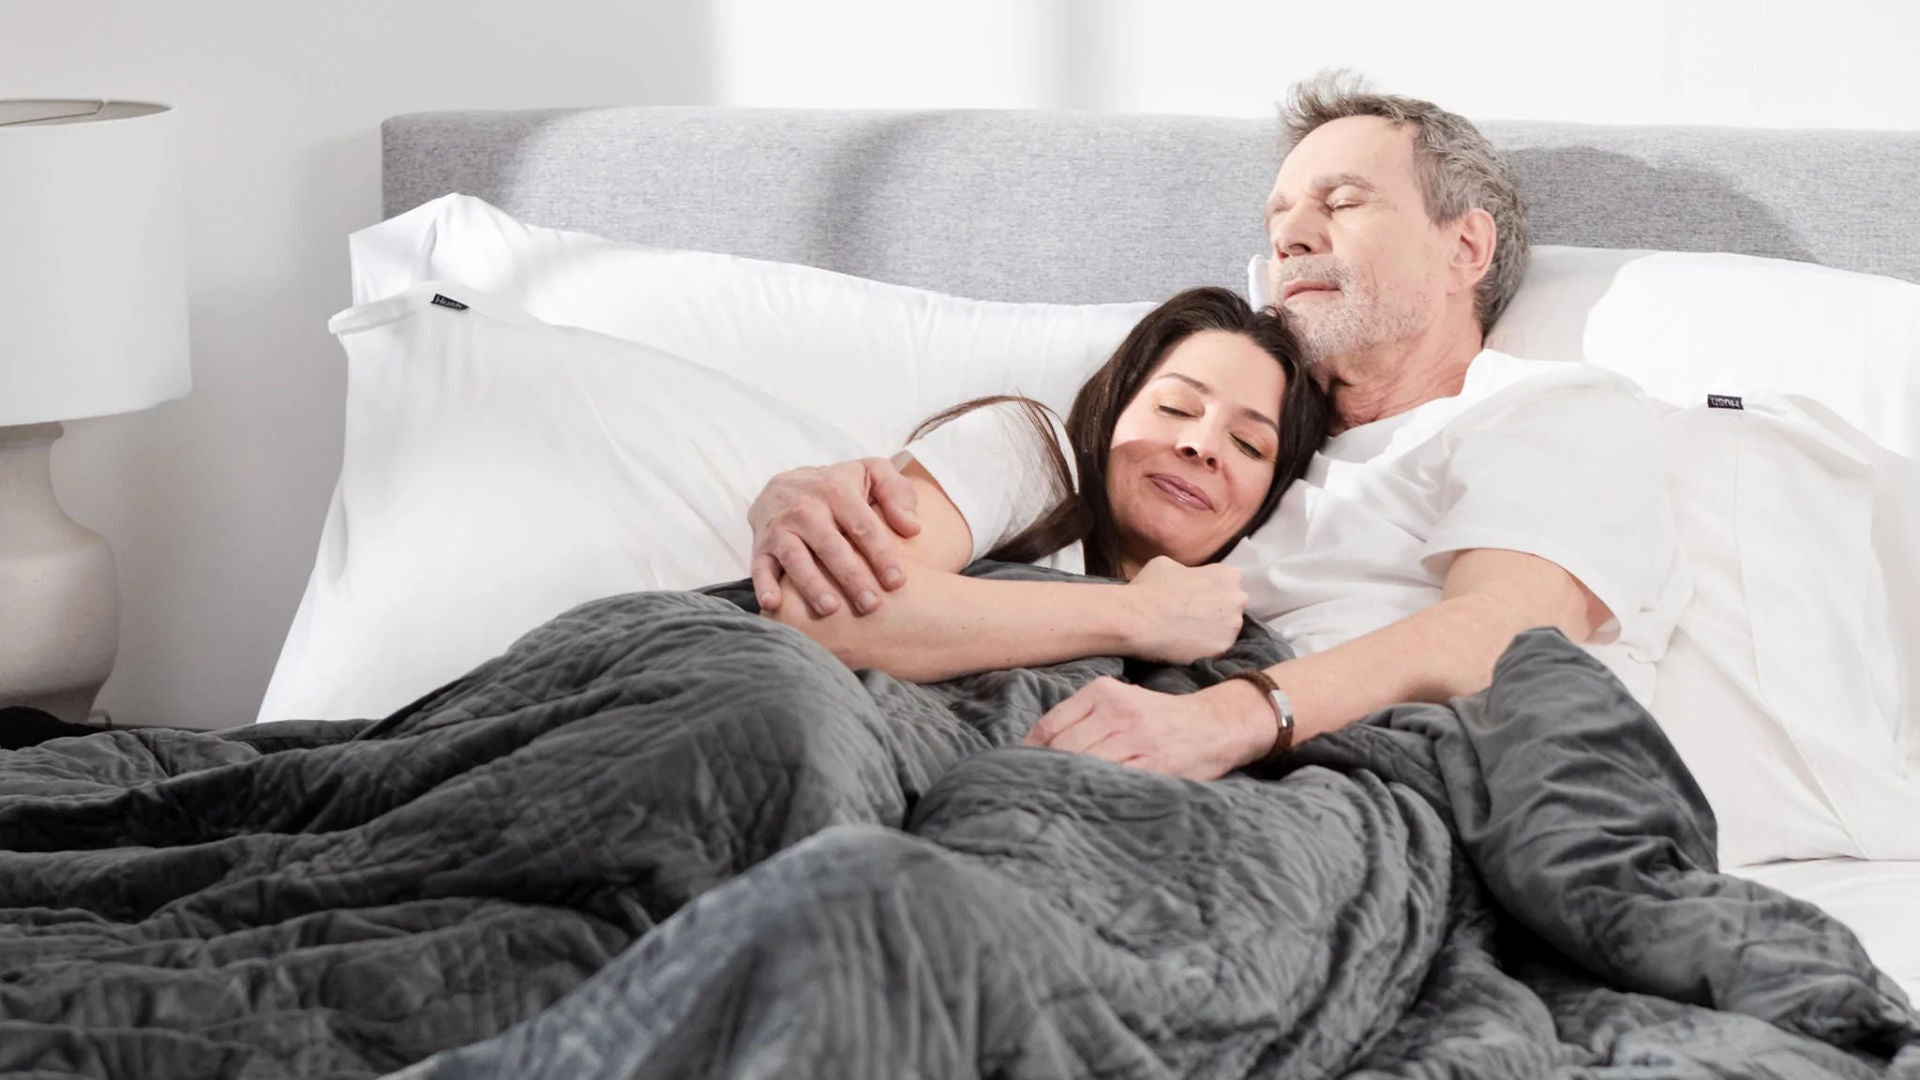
(1282, 708)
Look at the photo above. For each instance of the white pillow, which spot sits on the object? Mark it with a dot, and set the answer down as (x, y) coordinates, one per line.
(1896, 544)
(834, 366)
(498, 471)
(1685, 325)
(874, 359)
(1781, 685)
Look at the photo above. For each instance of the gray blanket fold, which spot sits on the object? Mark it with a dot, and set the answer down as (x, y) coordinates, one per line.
(662, 836)
(1517, 885)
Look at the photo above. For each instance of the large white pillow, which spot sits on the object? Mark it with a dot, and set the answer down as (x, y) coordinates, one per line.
(871, 358)
(498, 471)
(1781, 686)
(1687, 325)
(1896, 542)
(835, 367)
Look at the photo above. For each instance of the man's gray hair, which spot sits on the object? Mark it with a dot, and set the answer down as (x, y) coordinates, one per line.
(1459, 169)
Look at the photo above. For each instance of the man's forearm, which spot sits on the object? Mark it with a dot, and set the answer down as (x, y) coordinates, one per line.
(941, 625)
(1433, 655)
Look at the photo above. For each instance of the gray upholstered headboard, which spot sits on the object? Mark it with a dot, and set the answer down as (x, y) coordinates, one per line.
(1079, 207)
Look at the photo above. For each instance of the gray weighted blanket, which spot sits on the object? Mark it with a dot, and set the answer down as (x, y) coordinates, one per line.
(664, 837)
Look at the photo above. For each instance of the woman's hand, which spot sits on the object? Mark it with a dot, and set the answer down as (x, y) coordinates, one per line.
(1185, 613)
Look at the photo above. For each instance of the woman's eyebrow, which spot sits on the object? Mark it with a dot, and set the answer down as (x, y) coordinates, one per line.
(1244, 410)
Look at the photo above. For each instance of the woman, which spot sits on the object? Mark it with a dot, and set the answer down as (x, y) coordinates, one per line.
(1178, 447)
(478, 853)
(1182, 444)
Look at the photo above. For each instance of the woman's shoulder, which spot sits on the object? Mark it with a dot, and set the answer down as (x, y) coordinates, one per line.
(1000, 463)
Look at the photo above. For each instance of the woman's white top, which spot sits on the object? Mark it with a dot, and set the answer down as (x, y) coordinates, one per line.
(993, 467)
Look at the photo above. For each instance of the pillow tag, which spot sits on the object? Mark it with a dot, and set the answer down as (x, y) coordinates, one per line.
(1714, 401)
(450, 302)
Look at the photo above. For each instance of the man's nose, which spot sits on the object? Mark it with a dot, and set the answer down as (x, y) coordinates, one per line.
(1298, 232)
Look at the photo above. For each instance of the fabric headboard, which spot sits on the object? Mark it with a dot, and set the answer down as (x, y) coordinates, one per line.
(1083, 207)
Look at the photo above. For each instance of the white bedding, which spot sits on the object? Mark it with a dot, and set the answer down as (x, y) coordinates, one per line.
(1879, 900)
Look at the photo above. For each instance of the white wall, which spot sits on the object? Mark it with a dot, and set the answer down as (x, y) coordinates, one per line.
(1770, 63)
(214, 503)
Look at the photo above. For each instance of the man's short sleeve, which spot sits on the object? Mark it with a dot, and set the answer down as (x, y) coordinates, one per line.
(1572, 475)
(993, 467)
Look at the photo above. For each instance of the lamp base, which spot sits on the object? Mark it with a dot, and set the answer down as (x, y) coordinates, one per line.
(59, 595)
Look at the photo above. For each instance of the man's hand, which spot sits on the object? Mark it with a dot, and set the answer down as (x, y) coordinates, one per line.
(1201, 736)
(819, 527)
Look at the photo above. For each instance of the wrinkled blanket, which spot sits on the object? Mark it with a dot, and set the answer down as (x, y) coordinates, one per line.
(777, 867)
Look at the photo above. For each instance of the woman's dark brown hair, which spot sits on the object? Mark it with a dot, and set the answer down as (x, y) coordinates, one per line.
(1084, 515)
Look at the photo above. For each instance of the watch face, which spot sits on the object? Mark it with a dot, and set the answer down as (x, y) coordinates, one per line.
(1283, 708)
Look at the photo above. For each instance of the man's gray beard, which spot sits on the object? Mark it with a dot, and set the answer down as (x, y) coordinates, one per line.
(1358, 324)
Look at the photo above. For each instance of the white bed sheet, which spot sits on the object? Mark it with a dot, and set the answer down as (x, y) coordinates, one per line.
(1879, 900)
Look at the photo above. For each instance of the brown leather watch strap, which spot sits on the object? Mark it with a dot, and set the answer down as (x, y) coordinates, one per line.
(1282, 708)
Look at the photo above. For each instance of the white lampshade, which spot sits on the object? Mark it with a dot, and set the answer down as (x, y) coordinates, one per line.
(93, 290)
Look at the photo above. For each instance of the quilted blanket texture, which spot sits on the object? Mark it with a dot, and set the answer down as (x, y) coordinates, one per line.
(664, 837)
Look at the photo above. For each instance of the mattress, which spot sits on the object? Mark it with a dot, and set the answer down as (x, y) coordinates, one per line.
(1880, 900)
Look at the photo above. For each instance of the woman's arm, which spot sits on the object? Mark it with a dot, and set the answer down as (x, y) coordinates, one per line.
(942, 624)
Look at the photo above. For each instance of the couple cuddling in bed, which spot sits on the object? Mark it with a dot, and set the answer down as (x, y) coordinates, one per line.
(1464, 495)
(1388, 497)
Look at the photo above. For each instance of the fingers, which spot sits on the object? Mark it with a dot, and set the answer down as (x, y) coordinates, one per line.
(869, 550)
(1061, 717)
(1096, 736)
(848, 569)
(765, 565)
(797, 561)
(895, 496)
(766, 580)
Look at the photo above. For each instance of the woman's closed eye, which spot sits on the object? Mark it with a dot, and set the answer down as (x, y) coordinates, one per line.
(1244, 446)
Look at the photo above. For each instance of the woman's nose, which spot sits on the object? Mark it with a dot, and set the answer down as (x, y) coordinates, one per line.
(1197, 451)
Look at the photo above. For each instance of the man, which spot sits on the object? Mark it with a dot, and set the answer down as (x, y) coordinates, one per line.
(1466, 495)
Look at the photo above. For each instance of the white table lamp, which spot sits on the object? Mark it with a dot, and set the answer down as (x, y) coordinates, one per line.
(93, 321)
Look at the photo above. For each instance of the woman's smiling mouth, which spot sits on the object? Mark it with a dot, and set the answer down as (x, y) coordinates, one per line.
(1181, 492)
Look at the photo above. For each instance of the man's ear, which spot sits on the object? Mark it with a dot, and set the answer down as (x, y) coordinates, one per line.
(1474, 238)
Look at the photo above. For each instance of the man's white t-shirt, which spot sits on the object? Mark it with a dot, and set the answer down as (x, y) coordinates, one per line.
(992, 465)
(1554, 459)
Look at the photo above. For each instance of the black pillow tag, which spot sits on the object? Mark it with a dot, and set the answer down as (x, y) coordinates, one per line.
(450, 302)
(1714, 401)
